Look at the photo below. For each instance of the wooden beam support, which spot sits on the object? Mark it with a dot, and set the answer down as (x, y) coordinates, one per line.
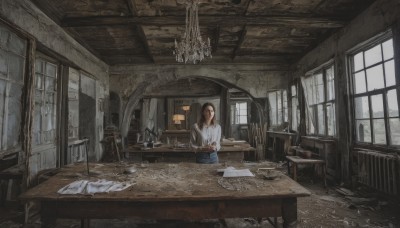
(241, 39)
(145, 43)
(132, 7)
(306, 22)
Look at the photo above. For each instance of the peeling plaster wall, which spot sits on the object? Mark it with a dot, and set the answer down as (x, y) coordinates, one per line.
(381, 16)
(29, 18)
(132, 81)
(26, 17)
(254, 79)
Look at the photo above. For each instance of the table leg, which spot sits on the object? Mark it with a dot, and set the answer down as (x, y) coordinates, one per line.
(85, 223)
(294, 171)
(288, 168)
(289, 212)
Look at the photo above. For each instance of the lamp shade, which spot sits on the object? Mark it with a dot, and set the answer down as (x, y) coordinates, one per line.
(185, 108)
(177, 118)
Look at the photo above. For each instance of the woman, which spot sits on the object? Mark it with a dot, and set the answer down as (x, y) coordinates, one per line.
(205, 136)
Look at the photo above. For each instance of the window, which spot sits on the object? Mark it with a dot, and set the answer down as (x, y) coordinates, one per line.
(44, 124)
(319, 91)
(12, 64)
(278, 107)
(295, 112)
(239, 113)
(376, 109)
(73, 104)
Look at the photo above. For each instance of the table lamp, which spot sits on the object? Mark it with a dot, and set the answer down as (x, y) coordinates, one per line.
(177, 118)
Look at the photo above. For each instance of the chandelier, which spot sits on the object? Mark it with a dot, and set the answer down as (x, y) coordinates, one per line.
(192, 48)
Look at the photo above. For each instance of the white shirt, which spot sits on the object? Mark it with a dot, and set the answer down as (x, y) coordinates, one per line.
(206, 136)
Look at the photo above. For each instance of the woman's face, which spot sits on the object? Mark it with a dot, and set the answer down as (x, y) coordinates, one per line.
(208, 113)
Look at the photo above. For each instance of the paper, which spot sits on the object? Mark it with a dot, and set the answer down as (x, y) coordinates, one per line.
(90, 187)
(238, 173)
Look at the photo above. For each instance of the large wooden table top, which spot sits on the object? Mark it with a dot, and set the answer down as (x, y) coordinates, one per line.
(166, 182)
(169, 148)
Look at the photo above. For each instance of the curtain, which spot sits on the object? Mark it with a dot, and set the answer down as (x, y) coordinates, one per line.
(308, 84)
(149, 114)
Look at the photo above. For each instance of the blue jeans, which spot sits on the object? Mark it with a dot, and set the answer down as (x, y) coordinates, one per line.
(207, 158)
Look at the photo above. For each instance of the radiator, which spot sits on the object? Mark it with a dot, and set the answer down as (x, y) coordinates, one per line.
(379, 171)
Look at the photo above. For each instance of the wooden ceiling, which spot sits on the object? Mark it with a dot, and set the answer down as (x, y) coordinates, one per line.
(270, 32)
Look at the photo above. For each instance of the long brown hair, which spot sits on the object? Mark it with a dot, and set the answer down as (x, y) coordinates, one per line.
(202, 119)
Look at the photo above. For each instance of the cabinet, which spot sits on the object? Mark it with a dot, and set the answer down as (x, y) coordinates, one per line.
(326, 150)
(278, 144)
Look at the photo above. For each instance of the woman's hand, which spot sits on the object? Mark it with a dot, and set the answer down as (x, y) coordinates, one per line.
(209, 148)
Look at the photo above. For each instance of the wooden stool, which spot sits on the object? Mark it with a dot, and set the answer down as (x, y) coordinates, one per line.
(298, 160)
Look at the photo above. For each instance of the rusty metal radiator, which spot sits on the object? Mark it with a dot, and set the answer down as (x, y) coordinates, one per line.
(379, 171)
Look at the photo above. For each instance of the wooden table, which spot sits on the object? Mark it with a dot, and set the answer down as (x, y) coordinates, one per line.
(167, 153)
(177, 191)
(295, 160)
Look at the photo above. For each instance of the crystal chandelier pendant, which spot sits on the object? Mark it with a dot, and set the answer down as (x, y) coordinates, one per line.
(192, 48)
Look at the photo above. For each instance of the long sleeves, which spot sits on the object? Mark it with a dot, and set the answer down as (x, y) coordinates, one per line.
(206, 136)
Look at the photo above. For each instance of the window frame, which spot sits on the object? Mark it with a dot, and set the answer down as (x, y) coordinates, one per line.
(363, 47)
(6, 149)
(56, 93)
(236, 114)
(281, 111)
(294, 107)
(316, 105)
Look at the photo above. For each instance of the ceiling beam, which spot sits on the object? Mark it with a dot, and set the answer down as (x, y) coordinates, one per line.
(241, 39)
(306, 22)
(145, 42)
(132, 7)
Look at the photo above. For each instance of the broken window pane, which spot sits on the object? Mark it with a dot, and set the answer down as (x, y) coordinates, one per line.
(359, 82)
(395, 130)
(358, 62)
(379, 131)
(375, 78)
(373, 55)
(361, 107)
(377, 106)
(387, 49)
(392, 103)
(389, 73)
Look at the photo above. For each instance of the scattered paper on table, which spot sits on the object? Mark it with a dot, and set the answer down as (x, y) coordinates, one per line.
(90, 187)
(238, 173)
